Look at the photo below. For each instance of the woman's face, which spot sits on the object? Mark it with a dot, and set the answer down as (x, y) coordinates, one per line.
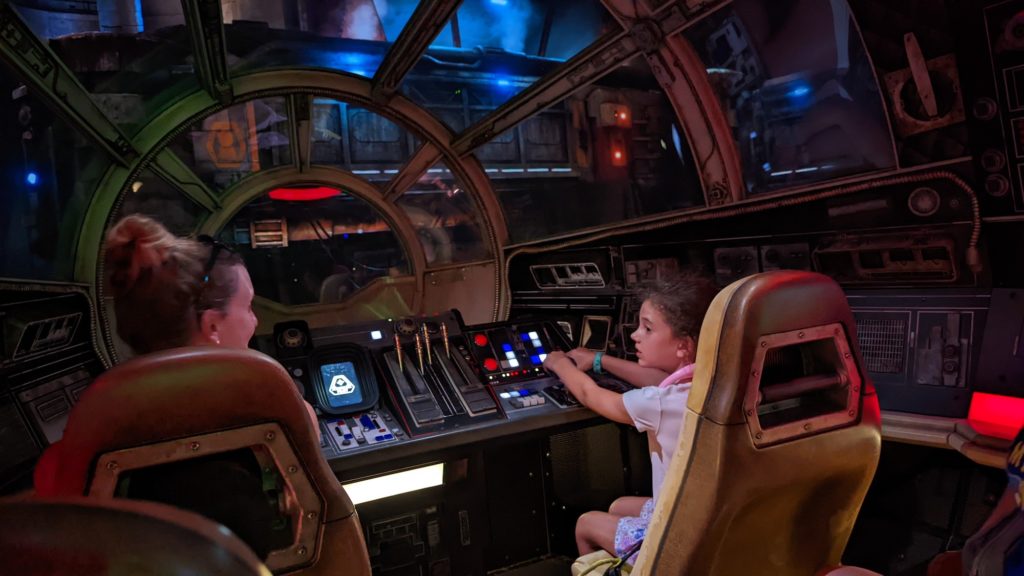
(236, 323)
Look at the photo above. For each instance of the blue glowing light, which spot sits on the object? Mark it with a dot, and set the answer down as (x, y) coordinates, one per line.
(32, 178)
(345, 235)
(799, 91)
(503, 82)
(753, 135)
(767, 167)
(361, 73)
(499, 2)
(506, 347)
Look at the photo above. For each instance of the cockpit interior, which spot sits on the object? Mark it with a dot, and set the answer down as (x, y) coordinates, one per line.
(431, 197)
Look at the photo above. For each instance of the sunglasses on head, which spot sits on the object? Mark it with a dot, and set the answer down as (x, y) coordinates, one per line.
(215, 248)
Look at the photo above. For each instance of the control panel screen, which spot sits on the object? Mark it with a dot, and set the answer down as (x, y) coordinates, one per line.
(510, 353)
(341, 384)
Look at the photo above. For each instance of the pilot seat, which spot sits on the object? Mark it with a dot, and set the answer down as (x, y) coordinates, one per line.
(223, 433)
(780, 441)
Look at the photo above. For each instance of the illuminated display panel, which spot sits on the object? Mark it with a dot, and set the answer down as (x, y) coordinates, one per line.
(341, 384)
(508, 353)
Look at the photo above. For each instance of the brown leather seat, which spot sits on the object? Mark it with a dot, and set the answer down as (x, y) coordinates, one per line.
(781, 437)
(92, 537)
(222, 432)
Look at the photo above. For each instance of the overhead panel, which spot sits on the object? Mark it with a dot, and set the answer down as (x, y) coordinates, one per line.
(494, 49)
(346, 35)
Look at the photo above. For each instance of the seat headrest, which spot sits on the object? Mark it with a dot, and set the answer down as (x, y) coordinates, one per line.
(745, 312)
(174, 394)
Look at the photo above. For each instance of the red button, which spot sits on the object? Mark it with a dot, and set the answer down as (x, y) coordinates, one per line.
(480, 340)
(491, 364)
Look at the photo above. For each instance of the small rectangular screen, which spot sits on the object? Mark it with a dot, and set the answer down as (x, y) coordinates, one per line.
(341, 384)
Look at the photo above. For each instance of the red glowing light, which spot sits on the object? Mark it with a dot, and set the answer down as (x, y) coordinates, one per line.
(480, 340)
(490, 364)
(618, 155)
(996, 415)
(304, 194)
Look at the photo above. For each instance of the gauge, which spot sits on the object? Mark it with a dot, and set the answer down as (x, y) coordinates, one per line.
(292, 338)
(406, 326)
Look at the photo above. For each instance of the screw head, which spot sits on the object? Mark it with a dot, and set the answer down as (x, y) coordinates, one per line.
(269, 436)
(194, 446)
(302, 551)
(112, 465)
(293, 469)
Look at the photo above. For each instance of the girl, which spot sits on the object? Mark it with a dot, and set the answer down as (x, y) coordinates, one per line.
(666, 345)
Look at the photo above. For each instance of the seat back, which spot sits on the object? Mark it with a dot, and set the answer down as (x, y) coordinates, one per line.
(222, 432)
(90, 537)
(780, 441)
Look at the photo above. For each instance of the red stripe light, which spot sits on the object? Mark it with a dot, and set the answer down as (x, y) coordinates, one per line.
(996, 415)
(304, 194)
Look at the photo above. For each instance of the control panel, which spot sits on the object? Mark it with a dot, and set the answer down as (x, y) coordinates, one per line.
(393, 381)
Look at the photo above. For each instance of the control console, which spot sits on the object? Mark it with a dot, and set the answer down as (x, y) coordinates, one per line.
(390, 382)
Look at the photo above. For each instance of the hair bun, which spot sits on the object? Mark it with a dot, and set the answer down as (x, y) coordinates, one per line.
(134, 245)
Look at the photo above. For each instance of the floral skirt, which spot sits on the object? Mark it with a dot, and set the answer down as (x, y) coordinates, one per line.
(632, 529)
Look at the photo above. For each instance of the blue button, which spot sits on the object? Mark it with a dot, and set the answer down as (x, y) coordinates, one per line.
(506, 347)
(535, 359)
(348, 436)
(389, 437)
(378, 438)
(524, 392)
(366, 422)
(525, 336)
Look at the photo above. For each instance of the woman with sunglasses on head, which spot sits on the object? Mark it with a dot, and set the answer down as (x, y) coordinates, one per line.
(171, 292)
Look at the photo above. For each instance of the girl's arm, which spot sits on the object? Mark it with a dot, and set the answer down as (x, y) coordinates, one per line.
(605, 402)
(631, 372)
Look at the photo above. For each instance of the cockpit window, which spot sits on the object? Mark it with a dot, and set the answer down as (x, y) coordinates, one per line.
(152, 196)
(446, 219)
(607, 154)
(307, 245)
(228, 145)
(798, 88)
(50, 175)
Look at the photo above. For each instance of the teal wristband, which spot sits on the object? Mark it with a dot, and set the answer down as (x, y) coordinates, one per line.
(597, 362)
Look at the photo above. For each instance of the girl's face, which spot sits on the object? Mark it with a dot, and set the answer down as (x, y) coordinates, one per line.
(656, 346)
